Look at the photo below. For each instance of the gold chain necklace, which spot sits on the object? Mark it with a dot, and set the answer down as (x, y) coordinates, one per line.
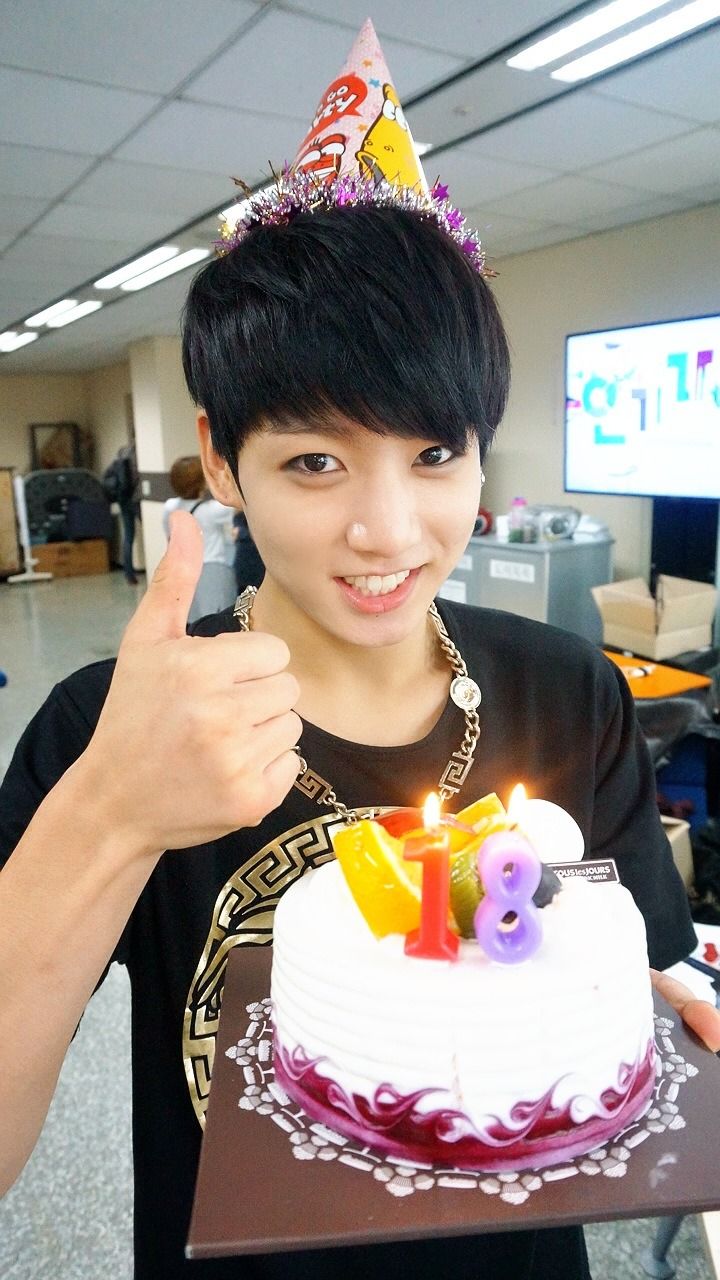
(464, 692)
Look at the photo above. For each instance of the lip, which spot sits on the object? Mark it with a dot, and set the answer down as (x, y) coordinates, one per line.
(379, 604)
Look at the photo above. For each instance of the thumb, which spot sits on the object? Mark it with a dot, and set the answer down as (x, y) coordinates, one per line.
(163, 611)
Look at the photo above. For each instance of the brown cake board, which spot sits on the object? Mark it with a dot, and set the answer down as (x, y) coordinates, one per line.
(254, 1195)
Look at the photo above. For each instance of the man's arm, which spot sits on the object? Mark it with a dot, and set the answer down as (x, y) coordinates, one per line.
(195, 740)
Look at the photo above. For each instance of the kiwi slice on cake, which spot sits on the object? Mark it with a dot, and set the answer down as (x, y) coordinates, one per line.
(466, 891)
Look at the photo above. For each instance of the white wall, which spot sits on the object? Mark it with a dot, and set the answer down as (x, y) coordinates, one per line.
(656, 270)
(109, 406)
(25, 398)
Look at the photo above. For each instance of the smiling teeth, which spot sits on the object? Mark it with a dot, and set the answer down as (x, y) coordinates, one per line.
(376, 586)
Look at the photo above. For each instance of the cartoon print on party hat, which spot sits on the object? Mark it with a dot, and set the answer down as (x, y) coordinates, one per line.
(387, 149)
(359, 127)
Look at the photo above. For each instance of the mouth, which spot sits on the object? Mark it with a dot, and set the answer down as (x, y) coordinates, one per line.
(371, 593)
(374, 585)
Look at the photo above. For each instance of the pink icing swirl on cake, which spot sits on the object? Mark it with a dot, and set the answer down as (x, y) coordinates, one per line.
(537, 1135)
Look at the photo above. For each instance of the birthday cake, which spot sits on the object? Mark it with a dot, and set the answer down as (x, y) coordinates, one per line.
(465, 1062)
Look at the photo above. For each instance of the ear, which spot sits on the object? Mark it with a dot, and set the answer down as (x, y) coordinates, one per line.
(220, 479)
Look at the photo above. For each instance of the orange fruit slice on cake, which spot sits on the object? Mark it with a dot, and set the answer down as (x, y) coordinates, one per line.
(485, 816)
(387, 889)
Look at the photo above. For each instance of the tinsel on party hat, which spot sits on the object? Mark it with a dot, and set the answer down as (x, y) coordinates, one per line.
(359, 128)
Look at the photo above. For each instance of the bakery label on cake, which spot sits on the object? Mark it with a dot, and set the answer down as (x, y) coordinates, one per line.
(495, 1057)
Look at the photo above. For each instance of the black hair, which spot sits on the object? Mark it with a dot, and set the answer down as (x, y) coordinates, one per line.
(372, 312)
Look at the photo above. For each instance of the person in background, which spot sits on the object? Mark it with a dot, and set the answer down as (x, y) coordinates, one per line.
(248, 565)
(216, 588)
(121, 485)
(129, 504)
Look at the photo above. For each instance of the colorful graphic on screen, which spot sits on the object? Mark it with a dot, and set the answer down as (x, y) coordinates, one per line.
(642, 410)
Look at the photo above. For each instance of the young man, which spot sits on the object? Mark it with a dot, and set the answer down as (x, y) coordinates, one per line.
(154, 804)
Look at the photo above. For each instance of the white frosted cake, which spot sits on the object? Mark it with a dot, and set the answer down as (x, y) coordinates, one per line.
(468, 1062)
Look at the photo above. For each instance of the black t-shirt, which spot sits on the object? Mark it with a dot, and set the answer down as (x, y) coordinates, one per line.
(555, 714)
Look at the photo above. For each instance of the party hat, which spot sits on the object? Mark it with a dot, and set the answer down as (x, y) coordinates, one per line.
(357, 151)
(359, 128)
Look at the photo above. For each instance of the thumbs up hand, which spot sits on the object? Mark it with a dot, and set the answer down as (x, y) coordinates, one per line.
(197, 733)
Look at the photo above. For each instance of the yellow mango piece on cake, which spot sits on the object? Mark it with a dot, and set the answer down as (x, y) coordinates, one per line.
(386, 888)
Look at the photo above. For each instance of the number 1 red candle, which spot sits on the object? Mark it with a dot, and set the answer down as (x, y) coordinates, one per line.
(433, 940)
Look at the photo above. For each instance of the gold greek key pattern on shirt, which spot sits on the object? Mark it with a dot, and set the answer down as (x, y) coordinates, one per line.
(243, 916)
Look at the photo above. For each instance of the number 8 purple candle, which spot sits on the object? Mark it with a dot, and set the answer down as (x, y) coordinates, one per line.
(510, 871)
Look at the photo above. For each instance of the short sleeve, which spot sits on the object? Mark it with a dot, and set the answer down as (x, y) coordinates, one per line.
(626, 823)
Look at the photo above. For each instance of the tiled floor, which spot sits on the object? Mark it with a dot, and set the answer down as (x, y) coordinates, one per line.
(69, 1215)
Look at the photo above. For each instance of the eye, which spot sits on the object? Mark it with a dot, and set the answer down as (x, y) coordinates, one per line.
(315, 464)
(435, 456)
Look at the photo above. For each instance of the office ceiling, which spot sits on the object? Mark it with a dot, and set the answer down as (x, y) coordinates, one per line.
(122, 123)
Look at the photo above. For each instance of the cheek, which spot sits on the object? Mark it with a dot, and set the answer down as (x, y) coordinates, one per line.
(283, 530)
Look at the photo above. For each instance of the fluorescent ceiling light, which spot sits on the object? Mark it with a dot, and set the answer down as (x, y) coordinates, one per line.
(186, 259)
(576, 34)
(49, 313)
(77, 313)
(135, 268)
(11, 340)
(648, 37)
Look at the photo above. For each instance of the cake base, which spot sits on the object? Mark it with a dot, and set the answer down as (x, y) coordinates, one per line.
(393, 1123)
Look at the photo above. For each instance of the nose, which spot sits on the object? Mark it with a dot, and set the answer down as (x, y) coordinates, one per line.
(385, 522)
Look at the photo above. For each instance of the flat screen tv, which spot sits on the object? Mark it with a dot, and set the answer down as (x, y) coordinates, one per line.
(642, 410)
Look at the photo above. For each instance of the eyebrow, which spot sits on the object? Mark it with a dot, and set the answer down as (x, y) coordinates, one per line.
(290, 427)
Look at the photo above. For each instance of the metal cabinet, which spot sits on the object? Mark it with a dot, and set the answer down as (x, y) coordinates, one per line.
(548, 581)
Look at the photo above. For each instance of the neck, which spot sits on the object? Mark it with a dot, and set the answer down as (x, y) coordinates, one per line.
(347, 688)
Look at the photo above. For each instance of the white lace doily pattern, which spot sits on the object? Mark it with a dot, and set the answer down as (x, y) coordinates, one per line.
(309, 1140)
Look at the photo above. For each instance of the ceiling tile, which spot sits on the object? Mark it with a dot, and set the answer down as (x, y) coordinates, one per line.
(568, 199)
(83, 221)
(473, 179)
(468, 29)
(117, 184)
(62, 261)
(478, 99)
(683, 79)
(189, 135)
(576, 130)
(658, 207)
(537, 240)
(35, 171)
(18, 212)
(286, 60)
(159, 44)
(43, 111)
(678, 164)
(490, 222)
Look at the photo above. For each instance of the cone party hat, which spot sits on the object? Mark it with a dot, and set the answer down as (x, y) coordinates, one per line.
(359, 128)
(357, 151)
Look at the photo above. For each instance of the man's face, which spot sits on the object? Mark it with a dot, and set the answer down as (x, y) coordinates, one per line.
(357, 531)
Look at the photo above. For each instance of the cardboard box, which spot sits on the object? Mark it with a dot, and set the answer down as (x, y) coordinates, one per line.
(678, 833)
(680, 618)
(72, 559)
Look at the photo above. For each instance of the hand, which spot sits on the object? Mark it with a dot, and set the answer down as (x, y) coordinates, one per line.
(197, 733)
(699, 1015)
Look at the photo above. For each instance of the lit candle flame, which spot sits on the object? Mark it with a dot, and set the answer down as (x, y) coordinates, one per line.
(517, 805)
(431, 812)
